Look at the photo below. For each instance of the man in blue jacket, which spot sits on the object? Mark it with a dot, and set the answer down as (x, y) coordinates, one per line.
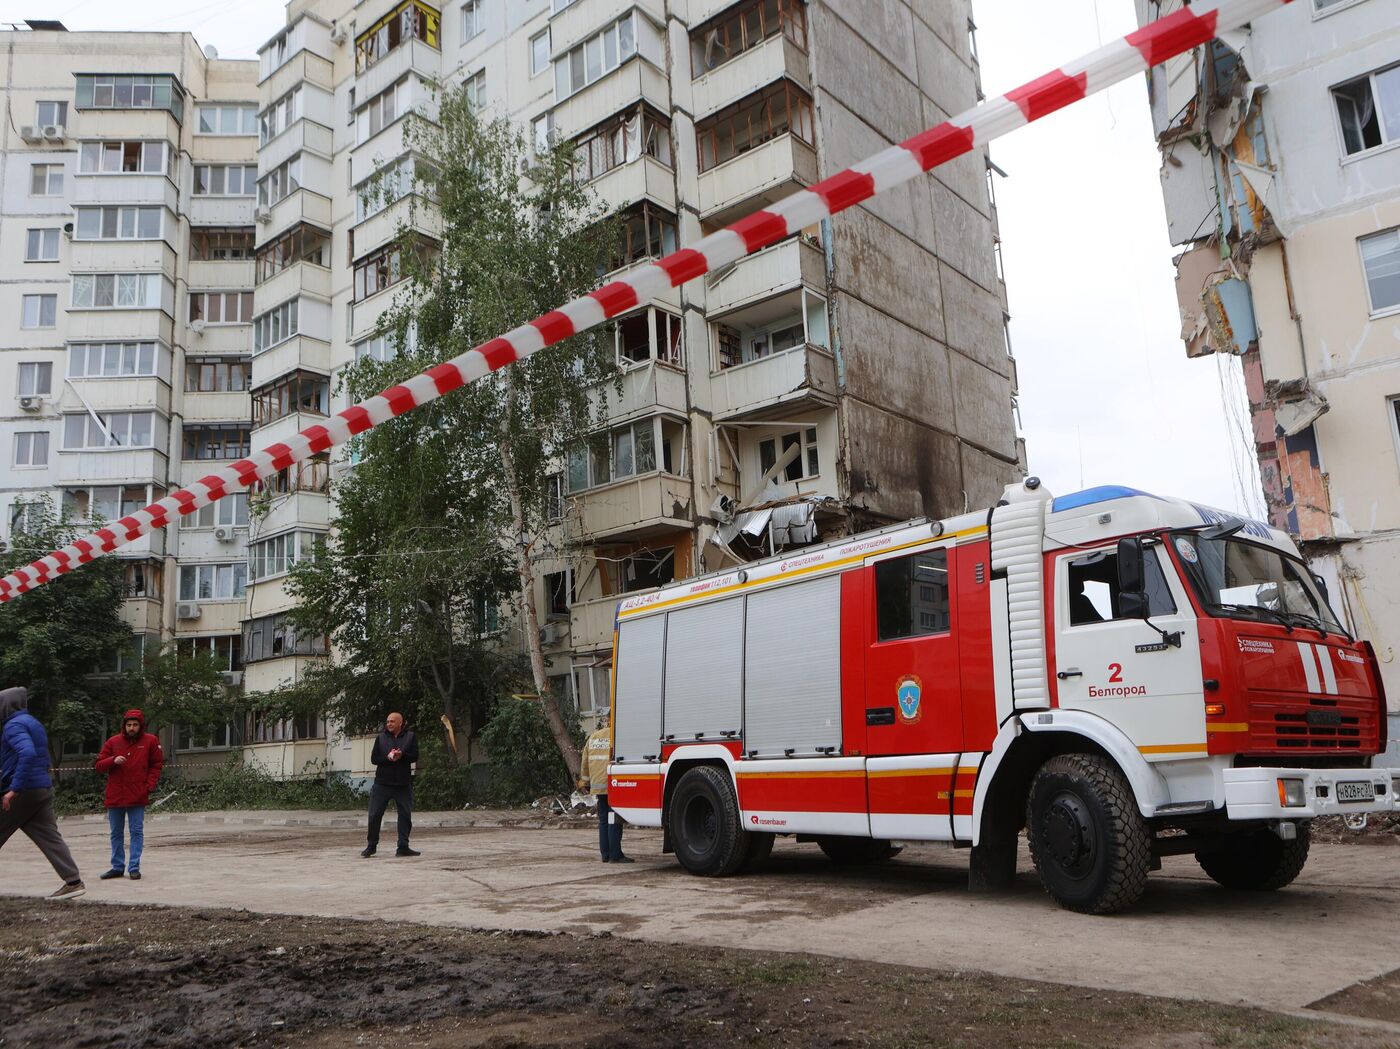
(27, 803)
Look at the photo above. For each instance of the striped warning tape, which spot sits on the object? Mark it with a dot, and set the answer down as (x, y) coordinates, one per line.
(1110, 64)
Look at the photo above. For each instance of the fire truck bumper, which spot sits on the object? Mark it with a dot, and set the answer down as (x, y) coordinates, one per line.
(1299, 794)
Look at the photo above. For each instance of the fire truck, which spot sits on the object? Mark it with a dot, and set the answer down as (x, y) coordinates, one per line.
(1123, 676)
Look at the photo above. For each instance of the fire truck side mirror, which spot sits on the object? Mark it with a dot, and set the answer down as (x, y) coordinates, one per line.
(1132, 580)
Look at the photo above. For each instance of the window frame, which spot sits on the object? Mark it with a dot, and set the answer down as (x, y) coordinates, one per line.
(222, 108)
(1386, 142)
(798, 109)
(198, 306)
(473, 19)
(135, 348)
(248, 178)
(196, 573)
(548, 64)
(199, 367)
(738, 16)
(1382, 311)
(113, 440)
(41, 300)
(62, 120)
(39, 368)
(884, 568)
(199, 438)
(118, 213)
(809, 438)
(46, 234)
(49, 168)
(33, 439)
(95, 157)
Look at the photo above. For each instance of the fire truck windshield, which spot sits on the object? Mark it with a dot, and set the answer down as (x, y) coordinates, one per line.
(1236, 578)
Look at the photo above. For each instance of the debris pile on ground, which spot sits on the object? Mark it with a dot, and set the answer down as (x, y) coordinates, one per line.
(1380, 829)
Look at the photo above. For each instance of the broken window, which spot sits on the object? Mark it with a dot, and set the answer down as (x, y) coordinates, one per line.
(559, 590)
(1380, 255)
(646, 569)
(779, 109)
(1093, 588)
(743, 28)
(804, 464)
(789, 321)
(647, 335)
(1369, 109)
(911, 595)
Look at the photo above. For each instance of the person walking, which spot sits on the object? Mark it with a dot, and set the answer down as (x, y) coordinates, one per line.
(395, 750)
(27, 803)
(597, 755)
(132, 760)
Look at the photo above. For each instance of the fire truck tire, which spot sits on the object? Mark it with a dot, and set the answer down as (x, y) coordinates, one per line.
(1090, 844)
(851, 851)
(1257, 860)
(704, 823)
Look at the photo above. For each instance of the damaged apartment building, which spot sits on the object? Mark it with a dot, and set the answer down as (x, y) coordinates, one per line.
(1281, 174)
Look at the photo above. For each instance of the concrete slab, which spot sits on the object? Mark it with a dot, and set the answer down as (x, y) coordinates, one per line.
(1338, 924)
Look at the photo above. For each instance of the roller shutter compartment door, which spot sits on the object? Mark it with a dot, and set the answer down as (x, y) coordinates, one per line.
(641, 645)
(704, 671)
(792, 668)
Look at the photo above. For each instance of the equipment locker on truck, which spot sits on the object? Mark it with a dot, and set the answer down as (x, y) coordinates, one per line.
(1121, 675)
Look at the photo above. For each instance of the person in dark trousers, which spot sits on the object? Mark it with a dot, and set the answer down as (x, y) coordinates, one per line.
(395, 750)
(597, 753)
(132, 760)
(27, 803)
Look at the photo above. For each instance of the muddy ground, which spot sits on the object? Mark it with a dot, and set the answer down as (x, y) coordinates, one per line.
(90, 975)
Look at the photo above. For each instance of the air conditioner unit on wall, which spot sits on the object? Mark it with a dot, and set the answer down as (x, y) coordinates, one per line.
(339, 33)
(31, 402)
(54, 132)
(263, 213)
(32, 132)
(553, 633)
(232, 677)
(187, 610)
(224, 534)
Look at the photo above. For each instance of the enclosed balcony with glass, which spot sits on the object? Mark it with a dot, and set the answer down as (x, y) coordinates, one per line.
(755, 151)
(130, 91)
(772, 355)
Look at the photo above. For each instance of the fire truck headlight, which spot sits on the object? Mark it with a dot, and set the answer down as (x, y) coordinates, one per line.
(1291, 794)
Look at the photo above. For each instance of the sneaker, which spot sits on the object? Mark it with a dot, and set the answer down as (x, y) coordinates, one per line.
(134, 875)
(407, 852)
(113, 873)
(71, 890)
(368, 852)
(622, 859)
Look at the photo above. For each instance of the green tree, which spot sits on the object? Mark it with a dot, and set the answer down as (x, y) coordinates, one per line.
(55, 637)
(181, 689)
(447, 510)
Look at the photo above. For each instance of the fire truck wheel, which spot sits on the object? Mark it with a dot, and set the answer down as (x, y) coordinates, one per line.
(704, 823)
(850, 851)
(1089, 842)
(1256, 859)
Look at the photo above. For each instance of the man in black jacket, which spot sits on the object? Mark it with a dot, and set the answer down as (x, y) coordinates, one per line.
(394, 751)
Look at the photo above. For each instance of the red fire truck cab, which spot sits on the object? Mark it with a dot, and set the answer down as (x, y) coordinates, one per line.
(1123, 676)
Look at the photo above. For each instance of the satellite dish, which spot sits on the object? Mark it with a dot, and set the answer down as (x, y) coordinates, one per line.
(210, 51)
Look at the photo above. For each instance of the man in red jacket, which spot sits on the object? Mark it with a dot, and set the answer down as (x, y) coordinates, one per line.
(132, 760)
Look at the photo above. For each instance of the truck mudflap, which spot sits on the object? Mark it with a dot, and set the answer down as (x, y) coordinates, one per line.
(1291, 794)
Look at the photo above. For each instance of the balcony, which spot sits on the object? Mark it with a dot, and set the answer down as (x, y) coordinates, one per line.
(635, 507)
(134, 465)
(217, 407)
(581, 20)
(641, 179)
(215, 617)
(115, 394)
(302, 205)
(303, 136)
(367, 312)
(221, 211)
(296, 509)
(775, 269)
(755, 179)
(200, 544)
(221, 274)
(300, 351)
(380, 149)
(122, 123)
(413, 56)
(303, 67)
(291, 281)
(591, 622)
(380, 228)
(220, 340)
(646, 388)
(286, 426)
(772, 385)
(636, 80)
(125, 325)
(125, 189)
(727, 83)
(145, 615)
(122, 256)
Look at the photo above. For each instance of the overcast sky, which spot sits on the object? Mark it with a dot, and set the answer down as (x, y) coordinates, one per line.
(1107, 394)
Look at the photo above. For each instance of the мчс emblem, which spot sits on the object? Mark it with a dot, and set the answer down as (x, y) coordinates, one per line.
(909, 691)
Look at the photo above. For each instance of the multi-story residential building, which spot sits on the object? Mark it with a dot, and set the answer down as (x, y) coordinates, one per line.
(126, 237)
(1281, 175)
(855, 374)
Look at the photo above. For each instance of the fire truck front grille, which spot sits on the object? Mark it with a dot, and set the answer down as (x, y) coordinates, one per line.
(1291, 725)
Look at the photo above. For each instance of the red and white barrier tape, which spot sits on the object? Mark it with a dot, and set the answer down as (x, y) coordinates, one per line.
(1110, 64)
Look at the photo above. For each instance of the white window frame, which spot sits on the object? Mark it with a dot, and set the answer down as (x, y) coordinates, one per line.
(136, 213)
(542, 133)
(244, 118)
(92, 155)
(35, 306)
(29, 441)
(473, 19)
(118, 426)
(809, 437)
(128, 357)
(229, 512)
(33, 371)
(276, 326)
(596, 45)
(1387, 142)
(543, 67)
(226, 580)
(283, 180)
(248, 179)
(659, 321)
(243, 297)
(50, 172)
(1393, 308)
(60, 114)
(87, 291)
(279, 116)
(474, 88)
(288, 548)
(41, 244)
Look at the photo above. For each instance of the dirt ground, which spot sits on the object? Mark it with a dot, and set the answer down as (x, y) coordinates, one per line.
(90, 975)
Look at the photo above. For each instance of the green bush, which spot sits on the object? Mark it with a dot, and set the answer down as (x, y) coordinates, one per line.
(524, 761)
(441, 782)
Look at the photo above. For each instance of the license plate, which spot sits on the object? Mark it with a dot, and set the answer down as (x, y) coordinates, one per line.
(1355, 791)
